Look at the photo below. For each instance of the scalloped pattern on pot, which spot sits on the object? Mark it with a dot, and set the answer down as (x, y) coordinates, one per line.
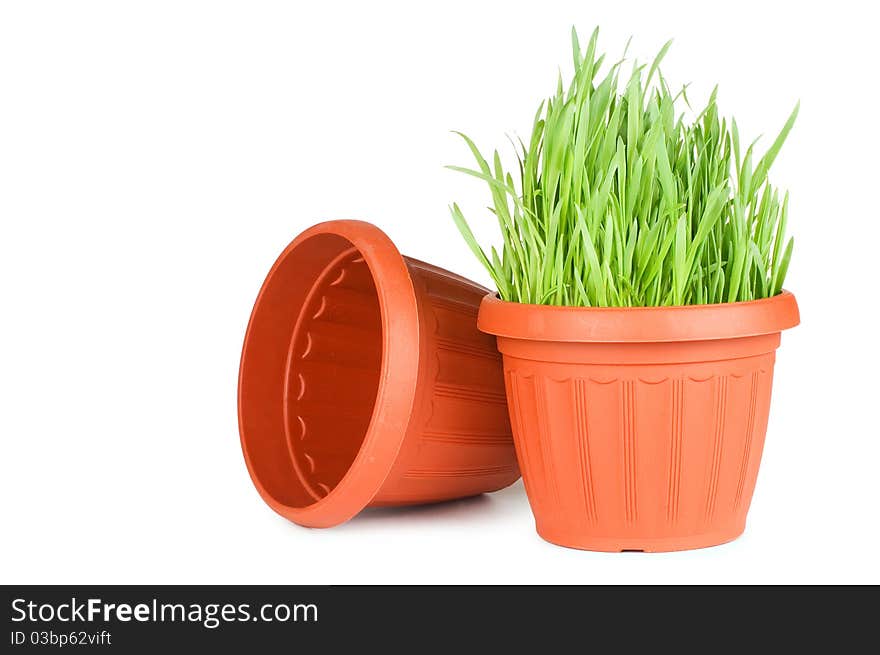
(334, 354)
(640, 457)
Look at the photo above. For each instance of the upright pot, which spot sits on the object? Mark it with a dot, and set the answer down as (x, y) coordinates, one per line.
(639, 428)
(364, 381)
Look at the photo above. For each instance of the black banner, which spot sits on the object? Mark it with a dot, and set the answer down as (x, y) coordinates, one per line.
(239, 618)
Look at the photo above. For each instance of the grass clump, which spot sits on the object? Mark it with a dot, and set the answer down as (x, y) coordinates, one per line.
(622, 202)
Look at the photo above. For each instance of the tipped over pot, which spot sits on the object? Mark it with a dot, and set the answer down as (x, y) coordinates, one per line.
(639, 428)
(364, 381)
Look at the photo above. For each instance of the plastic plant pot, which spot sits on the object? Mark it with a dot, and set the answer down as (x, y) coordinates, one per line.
(639, 428)
(364, 381)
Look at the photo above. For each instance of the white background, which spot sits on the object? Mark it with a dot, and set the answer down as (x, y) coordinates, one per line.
(155, 157)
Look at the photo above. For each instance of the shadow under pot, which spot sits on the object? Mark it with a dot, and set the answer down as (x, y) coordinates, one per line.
(365, 382)
(639, 428)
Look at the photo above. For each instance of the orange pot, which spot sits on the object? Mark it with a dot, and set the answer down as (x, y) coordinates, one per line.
(364, 381)
(639, 428)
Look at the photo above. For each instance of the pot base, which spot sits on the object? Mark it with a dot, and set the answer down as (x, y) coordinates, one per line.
(644, 544)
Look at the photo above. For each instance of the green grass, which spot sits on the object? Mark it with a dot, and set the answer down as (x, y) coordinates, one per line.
(621, 201)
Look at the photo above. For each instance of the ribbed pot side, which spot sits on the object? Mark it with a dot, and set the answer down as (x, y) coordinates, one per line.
(459, 439)
(652, 442)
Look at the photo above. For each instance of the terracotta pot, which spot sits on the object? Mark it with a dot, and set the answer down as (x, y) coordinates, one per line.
(639, 428)
(364, 381)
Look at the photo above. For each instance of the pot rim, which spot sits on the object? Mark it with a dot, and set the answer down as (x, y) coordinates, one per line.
(398, 375)
(638, 324)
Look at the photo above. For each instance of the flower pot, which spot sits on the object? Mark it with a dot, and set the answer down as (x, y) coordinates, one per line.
(639, 428)
(364, 381)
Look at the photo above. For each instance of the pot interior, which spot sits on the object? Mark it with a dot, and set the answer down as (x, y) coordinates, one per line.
(311, 370)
